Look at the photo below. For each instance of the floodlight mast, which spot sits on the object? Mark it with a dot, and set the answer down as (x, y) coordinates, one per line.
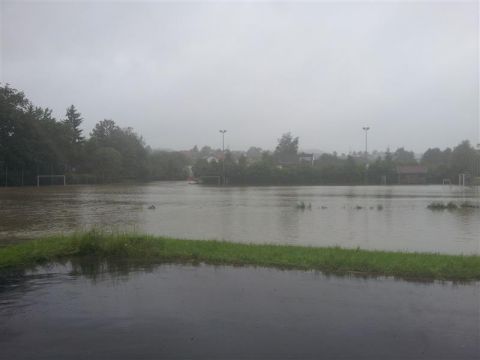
(223, 155)
(366, 128)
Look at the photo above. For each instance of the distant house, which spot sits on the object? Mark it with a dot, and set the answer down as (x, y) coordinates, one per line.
(411, 174)
(306, 158)
(212, 159)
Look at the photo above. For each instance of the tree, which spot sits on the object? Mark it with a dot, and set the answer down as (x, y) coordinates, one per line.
(107, 163)
(438, 163)
(73, 134)
(13, 105)
(267, 158)
(242, 161)
(165, 165)
(403, 157)
(254, 153)
(128, 143)
(464, 158)
(287, 149)
(206, 151)
(73, 120)
(31, 140)
(104, 130)
(433, 158)
(194, 153)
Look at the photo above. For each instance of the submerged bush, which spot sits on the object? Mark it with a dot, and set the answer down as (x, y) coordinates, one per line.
(469, 205)
(451, 206)
(302, 205)
(437, 206)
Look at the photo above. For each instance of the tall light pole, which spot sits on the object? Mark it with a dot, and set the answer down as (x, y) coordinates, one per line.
(477, 171)
(223, 155)
(366, 128)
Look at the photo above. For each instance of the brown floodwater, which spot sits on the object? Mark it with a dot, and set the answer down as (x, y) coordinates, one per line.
(97, 310)
(369, 217)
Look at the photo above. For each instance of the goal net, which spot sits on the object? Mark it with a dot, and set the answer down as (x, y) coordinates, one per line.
(51, 180)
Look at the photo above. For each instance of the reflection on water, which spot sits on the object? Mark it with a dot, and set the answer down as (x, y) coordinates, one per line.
(120, 310)
(370, 217)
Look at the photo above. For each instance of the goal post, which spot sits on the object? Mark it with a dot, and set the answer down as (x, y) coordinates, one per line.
(207, 179)
(51, 177)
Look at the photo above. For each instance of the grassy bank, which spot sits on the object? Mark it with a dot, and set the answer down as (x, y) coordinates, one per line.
(161, 249)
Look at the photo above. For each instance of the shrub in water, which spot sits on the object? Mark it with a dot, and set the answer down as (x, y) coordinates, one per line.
(451, 206)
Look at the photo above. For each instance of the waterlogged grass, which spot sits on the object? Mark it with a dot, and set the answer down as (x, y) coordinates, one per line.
(161, 249)
(438, 205)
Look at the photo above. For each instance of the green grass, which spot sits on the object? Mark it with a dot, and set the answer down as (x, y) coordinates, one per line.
(100, 245)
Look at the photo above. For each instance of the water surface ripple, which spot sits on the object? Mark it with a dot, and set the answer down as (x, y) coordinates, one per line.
(205, 312)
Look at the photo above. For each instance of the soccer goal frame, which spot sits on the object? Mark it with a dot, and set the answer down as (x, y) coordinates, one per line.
(219, 178)
(51, 177)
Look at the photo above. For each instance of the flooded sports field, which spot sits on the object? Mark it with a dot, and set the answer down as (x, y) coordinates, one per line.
(369, 217)
(86, 308)
(89, 310)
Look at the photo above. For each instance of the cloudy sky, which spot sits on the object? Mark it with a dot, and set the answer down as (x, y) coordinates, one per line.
(179, 71)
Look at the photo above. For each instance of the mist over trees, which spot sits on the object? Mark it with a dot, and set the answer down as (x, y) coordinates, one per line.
(33, 142)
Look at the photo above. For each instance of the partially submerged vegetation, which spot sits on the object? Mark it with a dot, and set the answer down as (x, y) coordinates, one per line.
(442, 206)
(303, 205)
(160, 249)
(438, 205)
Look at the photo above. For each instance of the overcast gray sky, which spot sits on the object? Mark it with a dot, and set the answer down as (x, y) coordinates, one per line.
(179, 72)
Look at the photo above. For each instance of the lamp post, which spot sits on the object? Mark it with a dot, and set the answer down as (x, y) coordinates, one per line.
(477, 172)
(223, 155)
(366, 128)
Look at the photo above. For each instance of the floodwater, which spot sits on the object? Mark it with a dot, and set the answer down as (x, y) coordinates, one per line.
(369, 217)
(89, 310)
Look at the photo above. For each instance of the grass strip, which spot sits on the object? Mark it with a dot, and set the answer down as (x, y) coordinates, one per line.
(101, 245)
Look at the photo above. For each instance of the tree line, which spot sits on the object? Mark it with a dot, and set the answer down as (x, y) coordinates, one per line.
(284, 166)
(33, 142)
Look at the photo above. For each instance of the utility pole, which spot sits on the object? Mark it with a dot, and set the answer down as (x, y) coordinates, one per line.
(223, 155)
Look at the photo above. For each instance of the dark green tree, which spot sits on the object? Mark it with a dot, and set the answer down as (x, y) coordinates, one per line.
(254, 154)
(404, 157)
(104, 131)
(128, 143)
(464, 159)
(107, 163)
(167, 165)
(73, 120)
(287, 149)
